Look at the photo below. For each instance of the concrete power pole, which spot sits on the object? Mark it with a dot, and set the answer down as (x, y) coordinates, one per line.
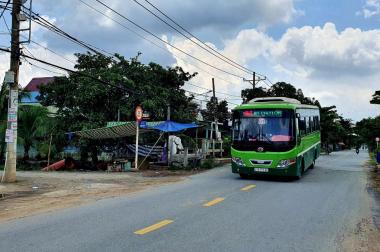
(9, 174)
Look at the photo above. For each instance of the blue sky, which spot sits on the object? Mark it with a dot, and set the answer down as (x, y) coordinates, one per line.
(330, 49)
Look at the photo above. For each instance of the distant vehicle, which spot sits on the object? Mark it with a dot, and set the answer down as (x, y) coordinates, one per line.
(357, 150)
(275, 136)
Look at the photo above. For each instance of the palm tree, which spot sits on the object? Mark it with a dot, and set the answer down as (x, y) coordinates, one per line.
(33, 124)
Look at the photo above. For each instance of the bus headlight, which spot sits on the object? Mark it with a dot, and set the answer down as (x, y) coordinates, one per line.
(285, 163)
(237, 161)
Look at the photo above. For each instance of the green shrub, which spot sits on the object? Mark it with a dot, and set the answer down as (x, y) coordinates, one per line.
(208, 164)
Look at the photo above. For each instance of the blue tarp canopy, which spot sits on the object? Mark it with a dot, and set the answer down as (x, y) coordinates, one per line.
(170, 126)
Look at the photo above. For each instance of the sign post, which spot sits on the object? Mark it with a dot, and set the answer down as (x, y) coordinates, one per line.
(138, 116)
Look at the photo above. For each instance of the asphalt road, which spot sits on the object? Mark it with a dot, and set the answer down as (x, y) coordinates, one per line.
(310, 214)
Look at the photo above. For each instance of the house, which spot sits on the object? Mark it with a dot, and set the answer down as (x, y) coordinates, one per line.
(33, 90)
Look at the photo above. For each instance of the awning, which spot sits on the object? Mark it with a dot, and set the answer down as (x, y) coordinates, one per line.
(127, 129)
(170, 126)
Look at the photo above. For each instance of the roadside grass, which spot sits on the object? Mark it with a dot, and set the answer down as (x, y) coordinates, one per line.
(374, 172)
(372, 160)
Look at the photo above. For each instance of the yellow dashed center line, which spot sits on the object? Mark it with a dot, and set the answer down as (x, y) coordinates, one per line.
(213, 202)
(249, 187)
(153, 227)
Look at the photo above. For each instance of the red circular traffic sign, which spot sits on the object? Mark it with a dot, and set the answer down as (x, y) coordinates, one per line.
(138, 113)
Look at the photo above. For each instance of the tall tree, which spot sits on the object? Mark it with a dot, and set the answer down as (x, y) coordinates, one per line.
(251, 93)
(85, 103)
(368, 129)
(33, 125)
(376, 98)
(280, 89)
(215, 109)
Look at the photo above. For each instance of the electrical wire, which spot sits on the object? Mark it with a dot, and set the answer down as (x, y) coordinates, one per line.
(48, 25)
(201, 45)
(43, 68)
(197, 38)
(218, 92)
(167, 43)
(4, 8)
(75, 72)
(152, 42)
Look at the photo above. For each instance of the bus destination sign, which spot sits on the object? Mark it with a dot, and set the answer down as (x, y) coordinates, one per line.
(262, 113)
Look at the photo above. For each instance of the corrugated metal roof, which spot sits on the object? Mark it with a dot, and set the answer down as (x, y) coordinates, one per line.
(127, 129)
(35, 82)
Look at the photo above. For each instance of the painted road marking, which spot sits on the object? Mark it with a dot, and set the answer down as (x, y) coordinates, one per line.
(249, 187)
(153, 227)
(213, 202)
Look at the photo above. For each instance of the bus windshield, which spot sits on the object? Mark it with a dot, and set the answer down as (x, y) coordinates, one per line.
(269, 126)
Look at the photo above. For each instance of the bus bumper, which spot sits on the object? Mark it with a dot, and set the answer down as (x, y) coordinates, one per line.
(289, 171)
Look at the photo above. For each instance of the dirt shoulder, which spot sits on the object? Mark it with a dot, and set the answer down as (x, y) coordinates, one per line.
(40, 192)
(366, 235)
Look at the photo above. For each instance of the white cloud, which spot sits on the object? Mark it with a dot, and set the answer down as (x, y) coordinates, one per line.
(334, 67)
(325, 52)
(371, 8)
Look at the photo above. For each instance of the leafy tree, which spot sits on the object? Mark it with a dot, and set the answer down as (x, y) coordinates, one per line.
(280, 89)
(368, 129)
(376, 98)
(33, 125)
(251, 93)
(84, 103)
(215, 109)
(329, 125)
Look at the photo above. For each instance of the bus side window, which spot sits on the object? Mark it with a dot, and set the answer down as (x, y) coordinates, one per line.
(307, 120)
(312, 125)
(302, 126)
(316, 123)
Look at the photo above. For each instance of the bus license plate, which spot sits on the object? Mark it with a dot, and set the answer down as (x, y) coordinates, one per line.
(261, 169)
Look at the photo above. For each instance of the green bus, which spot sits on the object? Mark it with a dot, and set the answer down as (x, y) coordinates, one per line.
(275, 136)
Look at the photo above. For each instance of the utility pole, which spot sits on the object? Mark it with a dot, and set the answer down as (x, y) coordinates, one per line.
(213, 88)
(9, 174)
(254, 81)
(215, 127)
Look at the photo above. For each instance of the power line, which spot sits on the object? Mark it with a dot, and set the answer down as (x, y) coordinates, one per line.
(55, 29)
(90, 47)
(5, 7)
(50, 50)
(43, 68)
(40, 45)
(6, 25)
(191, 34)
(150, 41)
(202, 45)
(211, 90)
(75, 72)
(169, 44)
(48, 25)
